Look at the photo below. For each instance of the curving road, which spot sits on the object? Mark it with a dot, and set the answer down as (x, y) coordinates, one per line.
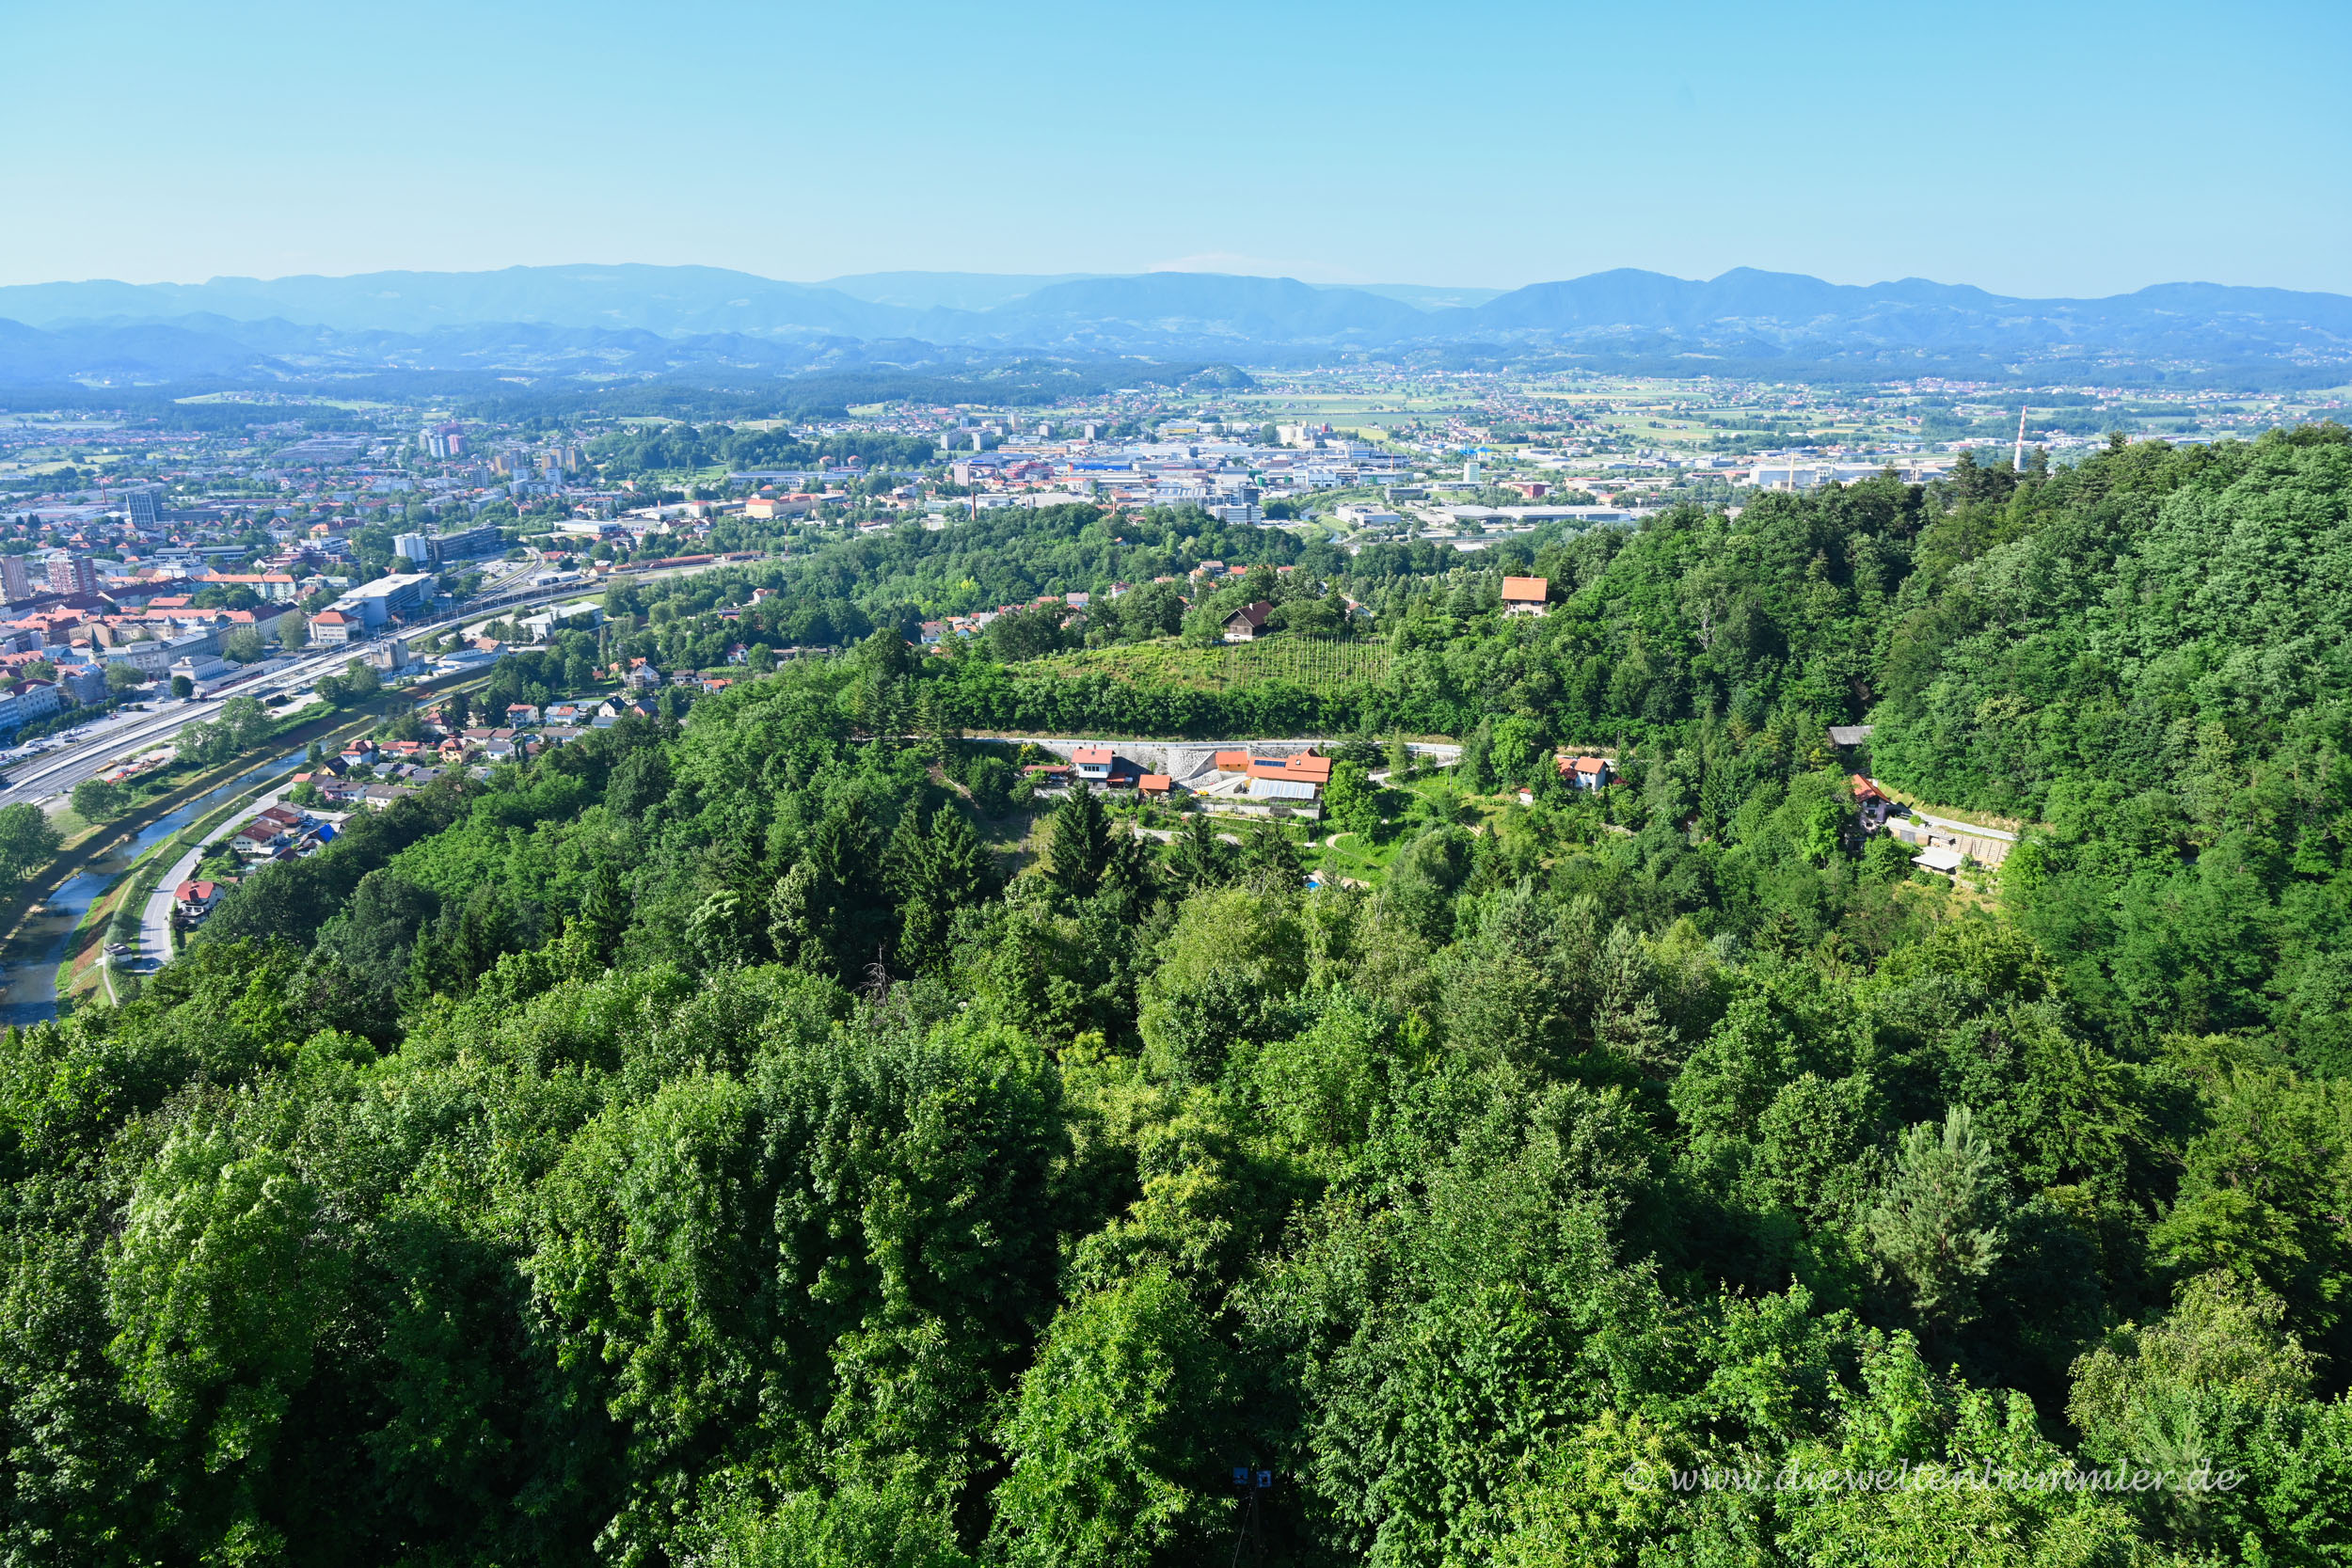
(155, 919)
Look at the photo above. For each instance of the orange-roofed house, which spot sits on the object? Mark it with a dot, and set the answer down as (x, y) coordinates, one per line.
(1525, 595)
(798, 504)
(1232, 762)
(1092, 762)
(1587, 772)
(1155, 784)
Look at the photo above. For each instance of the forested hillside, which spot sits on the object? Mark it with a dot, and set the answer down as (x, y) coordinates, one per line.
(701, 1147)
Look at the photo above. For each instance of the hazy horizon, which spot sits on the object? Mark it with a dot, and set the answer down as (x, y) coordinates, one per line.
(1041, 278)
(2031, 154)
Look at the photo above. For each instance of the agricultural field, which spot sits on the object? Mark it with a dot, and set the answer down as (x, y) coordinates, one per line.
(1320, 665)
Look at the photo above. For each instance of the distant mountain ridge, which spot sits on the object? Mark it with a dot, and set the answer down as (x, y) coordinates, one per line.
(668, 300)
(638, 320)
(949, 291)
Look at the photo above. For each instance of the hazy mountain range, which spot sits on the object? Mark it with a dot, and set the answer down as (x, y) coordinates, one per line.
(639, 322)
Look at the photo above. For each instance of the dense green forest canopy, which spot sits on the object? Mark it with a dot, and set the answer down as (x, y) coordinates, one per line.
(1027, 383)
(644, 448)
(709, 1145)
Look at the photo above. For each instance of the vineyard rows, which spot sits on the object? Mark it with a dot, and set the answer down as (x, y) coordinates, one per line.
(1312, 663)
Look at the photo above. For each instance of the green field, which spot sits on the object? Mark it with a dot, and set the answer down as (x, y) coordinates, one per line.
(1322, 665)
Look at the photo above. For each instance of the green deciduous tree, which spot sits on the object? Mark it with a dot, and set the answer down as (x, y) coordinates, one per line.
(224, 1281)
(27, 839)
(97, 801)
(1351, 804)
(1123, 1430)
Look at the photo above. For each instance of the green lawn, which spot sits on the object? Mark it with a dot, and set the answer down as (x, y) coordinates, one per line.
(1354, 856)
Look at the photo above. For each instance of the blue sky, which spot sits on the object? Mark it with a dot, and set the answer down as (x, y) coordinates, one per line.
(2040, 149)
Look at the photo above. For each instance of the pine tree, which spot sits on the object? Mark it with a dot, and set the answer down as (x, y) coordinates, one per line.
(1270, 861)
(934, 722)
(1129, 871)
(1626, 1026)
(1196, 857)
(935, 874)
(1937, 1227)
(1081, 847)
(606, 911)
(906, 864)
(831, 912)
(1477, 771)
(961, 868)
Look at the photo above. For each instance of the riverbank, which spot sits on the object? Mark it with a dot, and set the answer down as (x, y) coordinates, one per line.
(50, 940)
(118, 912)
(86, 968)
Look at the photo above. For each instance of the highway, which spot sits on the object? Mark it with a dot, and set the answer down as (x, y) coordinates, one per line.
(57, 764)
(47, 774)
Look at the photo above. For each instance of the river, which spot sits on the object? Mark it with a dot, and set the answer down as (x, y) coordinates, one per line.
(31, 995)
